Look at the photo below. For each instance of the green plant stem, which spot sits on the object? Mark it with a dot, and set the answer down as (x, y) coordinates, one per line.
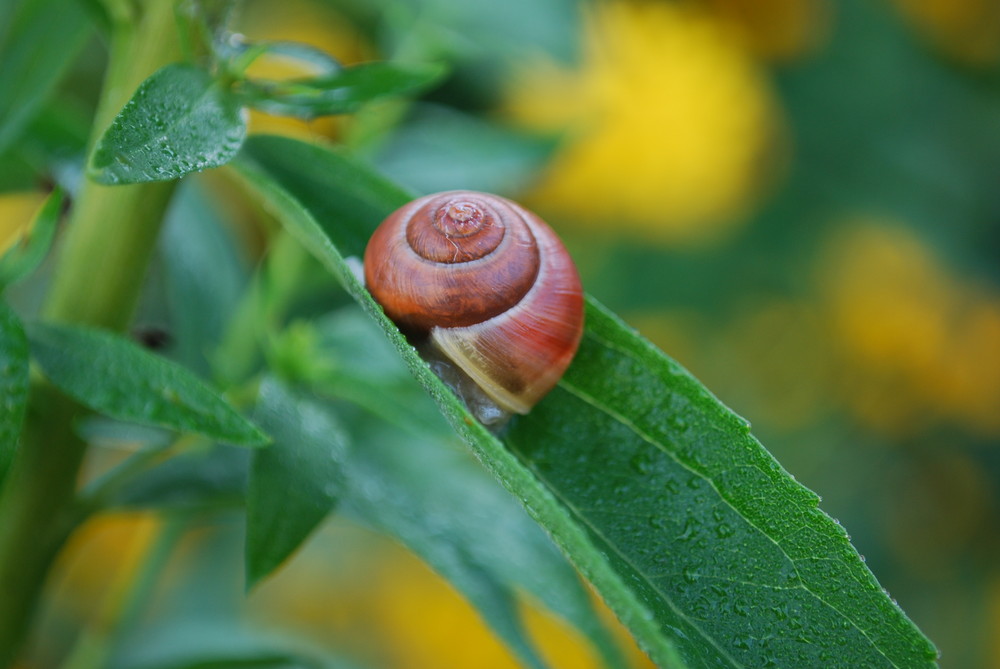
(113, 229)
(107, 245)
(35, 511)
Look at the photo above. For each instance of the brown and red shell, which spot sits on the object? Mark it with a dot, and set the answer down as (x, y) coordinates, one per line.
(489, 282)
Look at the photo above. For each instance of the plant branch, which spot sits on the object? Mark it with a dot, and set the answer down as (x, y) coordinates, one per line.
(107, 246)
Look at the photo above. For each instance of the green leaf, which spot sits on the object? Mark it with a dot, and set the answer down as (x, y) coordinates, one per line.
(115, 377)
(218, 644)
(438, 148)
(343, 356)
(204, 276)
(194, 481)
(350, 200)
(295, 482)
(441, 517)
(420, 490)
(286, 173)
(241, 55)
(179, 121)
(42, 39)
(444, 507)
(702, 545)
(342, 92)
(26, 255)
(411, 481)
(722, 545)
(13, 385)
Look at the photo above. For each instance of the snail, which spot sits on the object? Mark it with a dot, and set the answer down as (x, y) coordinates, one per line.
(489, 284)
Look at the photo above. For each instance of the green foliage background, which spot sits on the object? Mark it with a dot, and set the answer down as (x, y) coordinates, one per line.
(849, 308)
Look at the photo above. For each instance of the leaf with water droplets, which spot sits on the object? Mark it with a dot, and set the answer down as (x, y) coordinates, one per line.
(179, 121)
(117, 378)
(699, 541)
(13, 384)
(295, 482)
(730, 555)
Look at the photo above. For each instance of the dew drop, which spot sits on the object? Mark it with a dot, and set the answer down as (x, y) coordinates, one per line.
(642, 462)
(724, 530)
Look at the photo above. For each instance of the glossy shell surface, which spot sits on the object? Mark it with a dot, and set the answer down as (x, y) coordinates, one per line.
(489, 282)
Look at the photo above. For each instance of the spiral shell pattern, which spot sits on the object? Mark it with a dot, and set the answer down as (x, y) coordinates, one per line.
(489, 281)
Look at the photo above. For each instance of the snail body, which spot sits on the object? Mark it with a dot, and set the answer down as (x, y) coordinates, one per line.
(491, 285)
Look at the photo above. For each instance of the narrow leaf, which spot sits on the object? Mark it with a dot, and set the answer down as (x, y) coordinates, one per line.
(341, 92)
(241, 54)
(350, 200)
(418, 490)
(27, 254)
(42, 39)
(188, 482)
(179, 121)
(439, 148)
(295, 482)
(115, 377)
(725, 549)
(204, 276)
(437, 501)
(629, 445)
(218, 644)
(13, 385)
(412, 482)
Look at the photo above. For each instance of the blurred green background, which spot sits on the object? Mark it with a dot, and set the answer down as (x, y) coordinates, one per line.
(797, 199)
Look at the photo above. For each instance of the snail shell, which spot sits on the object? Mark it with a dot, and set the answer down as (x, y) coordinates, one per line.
(489, 282)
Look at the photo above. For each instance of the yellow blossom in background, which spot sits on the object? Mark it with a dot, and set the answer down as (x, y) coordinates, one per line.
(968, 30)
(387, 596)
(670, 125)
(778, 30)
(17, 210)
(97, 570)
(308, 23)
(433, 626)
(919, 344)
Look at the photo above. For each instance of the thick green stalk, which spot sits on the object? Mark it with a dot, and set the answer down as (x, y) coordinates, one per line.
(113, 229)
(35, 511)
(103, 258)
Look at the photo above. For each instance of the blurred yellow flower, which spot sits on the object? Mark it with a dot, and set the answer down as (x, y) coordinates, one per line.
(968, 30)
(670, 123)
(919, 343)
(433, 626)
(17, 210)
(386, 604)
(97, 567)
